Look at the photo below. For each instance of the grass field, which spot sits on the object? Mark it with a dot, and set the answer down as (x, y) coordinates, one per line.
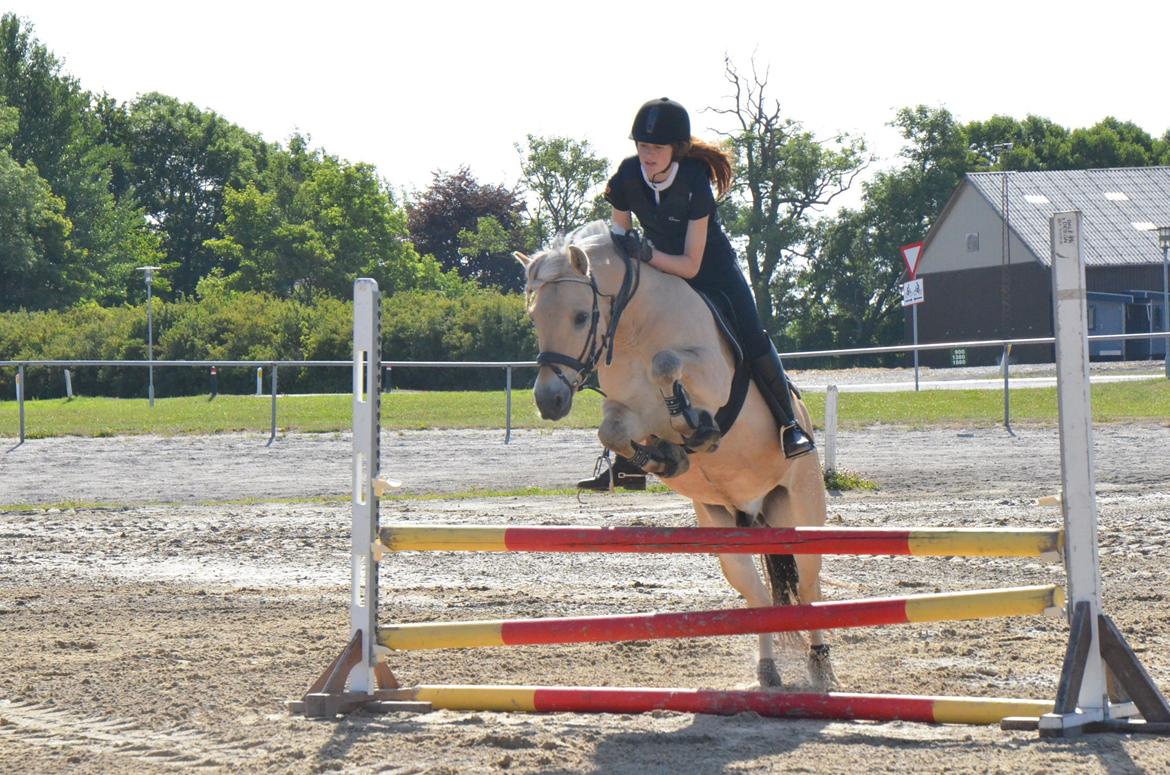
(1112, 402)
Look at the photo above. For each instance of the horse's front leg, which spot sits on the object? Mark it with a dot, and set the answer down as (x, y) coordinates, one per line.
(620, 430)
(740, 572)
(673, 371)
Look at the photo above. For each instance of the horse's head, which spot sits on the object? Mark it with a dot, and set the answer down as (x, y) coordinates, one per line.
(563, 303)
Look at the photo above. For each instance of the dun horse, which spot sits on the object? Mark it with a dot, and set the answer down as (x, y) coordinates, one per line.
(666, 370)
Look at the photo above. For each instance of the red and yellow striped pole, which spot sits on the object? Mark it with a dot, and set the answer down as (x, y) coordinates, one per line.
(871, 707)
(952, 606)
(936, 542)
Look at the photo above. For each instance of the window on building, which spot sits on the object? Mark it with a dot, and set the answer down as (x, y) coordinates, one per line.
(959, 357)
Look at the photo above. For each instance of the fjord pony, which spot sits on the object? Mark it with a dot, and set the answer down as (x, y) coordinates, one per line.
(653, 342)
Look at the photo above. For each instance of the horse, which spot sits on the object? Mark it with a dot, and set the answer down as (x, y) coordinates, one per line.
(665, 369)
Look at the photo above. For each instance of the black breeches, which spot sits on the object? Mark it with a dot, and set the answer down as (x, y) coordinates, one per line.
(748, 329)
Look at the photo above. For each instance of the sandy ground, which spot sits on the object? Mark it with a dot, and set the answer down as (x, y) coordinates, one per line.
(161, 622)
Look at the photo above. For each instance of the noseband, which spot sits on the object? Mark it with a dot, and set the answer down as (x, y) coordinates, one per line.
(586, 363)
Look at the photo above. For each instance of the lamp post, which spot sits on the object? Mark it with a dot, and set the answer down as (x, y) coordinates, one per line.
(1164, 243)
(148, 272)
(1005, 248)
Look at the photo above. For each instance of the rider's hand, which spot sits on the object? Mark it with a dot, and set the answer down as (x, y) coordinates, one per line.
(632, 245)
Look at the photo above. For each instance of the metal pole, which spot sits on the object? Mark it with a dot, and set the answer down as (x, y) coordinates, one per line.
(1166, 302)
(68, 385)
(272, 436)
(914, 318)
(259, 380)
(20, 397)
(1007, 400)
(150, 340)
(508, 410)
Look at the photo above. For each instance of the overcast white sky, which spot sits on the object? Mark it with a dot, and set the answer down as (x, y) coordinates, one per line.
(414, 87)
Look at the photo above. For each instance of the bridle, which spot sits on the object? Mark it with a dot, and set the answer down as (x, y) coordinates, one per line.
(586, 363)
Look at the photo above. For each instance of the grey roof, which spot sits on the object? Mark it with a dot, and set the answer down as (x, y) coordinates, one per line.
(1115, 203)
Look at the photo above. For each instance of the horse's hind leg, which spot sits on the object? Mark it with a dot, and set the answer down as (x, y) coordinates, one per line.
(803, 505)
(741, 573)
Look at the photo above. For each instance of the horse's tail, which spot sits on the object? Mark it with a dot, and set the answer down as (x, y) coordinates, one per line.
(783, 577)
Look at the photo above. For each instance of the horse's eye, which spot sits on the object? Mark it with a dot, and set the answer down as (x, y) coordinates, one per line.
(580, 319)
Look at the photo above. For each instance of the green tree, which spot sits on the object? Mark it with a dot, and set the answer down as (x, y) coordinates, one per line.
(58, 133)
(784, 175)
(470, 227)
(560, 173)
(38, 264)
(847, 294)
(1039, 144)
(315, 238)
(182, 160)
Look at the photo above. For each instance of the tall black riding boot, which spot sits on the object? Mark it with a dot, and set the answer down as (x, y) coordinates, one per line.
(770, 378)
(622, 470)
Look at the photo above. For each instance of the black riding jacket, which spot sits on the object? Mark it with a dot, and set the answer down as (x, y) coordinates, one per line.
(688, 199)
(665, 224)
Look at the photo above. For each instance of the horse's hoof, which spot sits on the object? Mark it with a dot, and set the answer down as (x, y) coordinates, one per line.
(674, 458)
(820, 670)
(705, 439)
(768, 675)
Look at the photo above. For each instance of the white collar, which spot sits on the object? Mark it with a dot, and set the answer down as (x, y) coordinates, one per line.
(658, 187)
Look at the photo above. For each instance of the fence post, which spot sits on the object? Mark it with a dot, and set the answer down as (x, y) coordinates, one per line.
(259, 380)
(831, 429)
(508, 404)
(20, 397)
(68, 385)
(272, 436)
(1007, 401)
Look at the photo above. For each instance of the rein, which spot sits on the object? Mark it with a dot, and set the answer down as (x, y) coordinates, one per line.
(585, 364)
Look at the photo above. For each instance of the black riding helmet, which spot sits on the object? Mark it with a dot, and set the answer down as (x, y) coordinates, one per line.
(661, 122)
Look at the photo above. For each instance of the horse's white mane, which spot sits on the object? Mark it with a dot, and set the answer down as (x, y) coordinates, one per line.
(592, 235)
(582, 235)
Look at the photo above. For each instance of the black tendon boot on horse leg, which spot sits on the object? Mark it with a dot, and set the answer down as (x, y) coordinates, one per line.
(622, 472)
(769, 375)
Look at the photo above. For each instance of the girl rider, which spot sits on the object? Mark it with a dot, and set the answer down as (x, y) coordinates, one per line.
(667, 185)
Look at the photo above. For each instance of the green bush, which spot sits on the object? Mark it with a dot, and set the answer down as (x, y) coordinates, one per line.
(221, 324)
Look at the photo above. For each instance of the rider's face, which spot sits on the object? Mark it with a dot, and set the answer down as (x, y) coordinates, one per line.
(655, 159)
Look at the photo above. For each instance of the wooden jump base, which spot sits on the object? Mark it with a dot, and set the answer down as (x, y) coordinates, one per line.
(1103, 684)
(953, 606)
(795, 705)
(921, 542)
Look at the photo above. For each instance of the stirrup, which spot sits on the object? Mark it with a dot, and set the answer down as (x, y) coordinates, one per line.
(802, 444)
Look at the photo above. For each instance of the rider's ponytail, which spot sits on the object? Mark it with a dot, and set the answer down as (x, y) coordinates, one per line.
(716, 159)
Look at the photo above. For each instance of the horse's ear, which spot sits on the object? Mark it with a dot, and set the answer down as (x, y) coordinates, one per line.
(578, 260)
(523, 259)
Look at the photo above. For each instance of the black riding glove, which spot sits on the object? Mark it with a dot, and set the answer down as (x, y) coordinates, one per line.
(632, 245)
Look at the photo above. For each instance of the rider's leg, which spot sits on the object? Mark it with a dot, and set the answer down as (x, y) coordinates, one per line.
(622, 471)
(768, 372)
